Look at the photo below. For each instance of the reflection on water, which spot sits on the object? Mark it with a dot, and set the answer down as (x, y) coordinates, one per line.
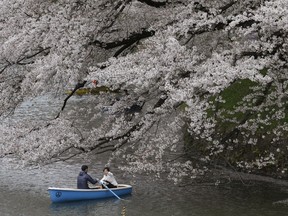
(40, 108)
(91, 207)
(78, 109)
(109, 206)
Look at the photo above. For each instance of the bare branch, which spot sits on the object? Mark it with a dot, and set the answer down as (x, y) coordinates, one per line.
(78, 86)
(154, 3)
(134, 37)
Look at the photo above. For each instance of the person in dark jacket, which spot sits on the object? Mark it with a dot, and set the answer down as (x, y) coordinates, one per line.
(83, 178)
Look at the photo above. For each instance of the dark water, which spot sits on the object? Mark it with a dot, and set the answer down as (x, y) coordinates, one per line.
(23, 191)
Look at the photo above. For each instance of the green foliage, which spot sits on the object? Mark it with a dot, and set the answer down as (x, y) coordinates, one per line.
(93, 91)
(225, 104)
(264, 71)
(182, 106)
(232, 106)
(256, 106)
(235, 93)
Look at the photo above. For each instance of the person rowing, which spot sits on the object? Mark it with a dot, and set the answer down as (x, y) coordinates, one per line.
(83, 178)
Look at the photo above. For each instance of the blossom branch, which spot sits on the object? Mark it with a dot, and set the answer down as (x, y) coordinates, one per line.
(126, 42)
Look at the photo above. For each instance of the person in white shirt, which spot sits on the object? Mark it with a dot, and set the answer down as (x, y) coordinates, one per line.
(108, 179)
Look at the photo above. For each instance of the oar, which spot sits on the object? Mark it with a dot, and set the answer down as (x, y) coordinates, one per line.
(112, 192)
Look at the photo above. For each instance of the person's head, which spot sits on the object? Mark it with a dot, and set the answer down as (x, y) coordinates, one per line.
(106, 170)
(84, 168)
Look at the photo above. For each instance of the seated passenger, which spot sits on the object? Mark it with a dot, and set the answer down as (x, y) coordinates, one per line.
(108, 179)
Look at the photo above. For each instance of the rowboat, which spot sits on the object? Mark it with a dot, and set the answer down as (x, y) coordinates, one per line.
(71, 194)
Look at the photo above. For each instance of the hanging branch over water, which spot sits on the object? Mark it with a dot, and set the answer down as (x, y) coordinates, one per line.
(78, 86)
(103, 144)
(100, 143)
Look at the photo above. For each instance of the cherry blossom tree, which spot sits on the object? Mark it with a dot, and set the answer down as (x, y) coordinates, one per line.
(188, 83)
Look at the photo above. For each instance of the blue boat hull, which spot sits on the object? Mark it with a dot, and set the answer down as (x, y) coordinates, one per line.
(69, 194)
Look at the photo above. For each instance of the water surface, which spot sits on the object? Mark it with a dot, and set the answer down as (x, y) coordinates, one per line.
(23, 191)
